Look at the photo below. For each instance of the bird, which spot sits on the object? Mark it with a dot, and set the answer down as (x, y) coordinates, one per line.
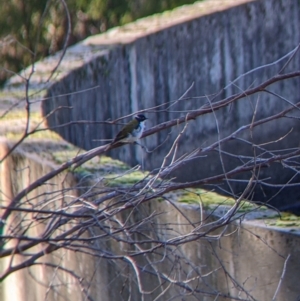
(131, 132)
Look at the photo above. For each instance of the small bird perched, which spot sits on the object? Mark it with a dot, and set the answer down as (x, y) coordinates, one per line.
(131, 132)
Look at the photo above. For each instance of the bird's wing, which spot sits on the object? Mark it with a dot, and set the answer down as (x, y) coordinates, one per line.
(121, 135)
(128, 128)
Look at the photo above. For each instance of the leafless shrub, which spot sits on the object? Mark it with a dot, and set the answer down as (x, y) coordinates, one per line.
(148, 244)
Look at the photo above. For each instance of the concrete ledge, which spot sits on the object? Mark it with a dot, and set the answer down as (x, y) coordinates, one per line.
(140, 66)
(250, 250)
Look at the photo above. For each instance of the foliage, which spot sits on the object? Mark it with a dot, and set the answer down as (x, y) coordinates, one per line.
(70, 229)
(30, 30)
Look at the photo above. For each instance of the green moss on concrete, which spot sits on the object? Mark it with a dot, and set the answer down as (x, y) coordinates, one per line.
(21, 114)
(285, 220)
(37, 137)
(99, 163)
(13, 123)
(20, 93)
(129, 178)
(210, 199)
(115, 173)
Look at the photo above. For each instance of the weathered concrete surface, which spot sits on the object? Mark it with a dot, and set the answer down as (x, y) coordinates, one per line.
(251, 252)
(17, 172)
(147, 65)
(155, 60)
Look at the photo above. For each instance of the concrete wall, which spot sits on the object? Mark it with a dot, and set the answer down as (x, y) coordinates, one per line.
(209, 44)
(143, 65)
(16, 173)
(249, 257)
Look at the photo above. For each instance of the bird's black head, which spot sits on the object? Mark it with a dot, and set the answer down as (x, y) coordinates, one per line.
(140, 117)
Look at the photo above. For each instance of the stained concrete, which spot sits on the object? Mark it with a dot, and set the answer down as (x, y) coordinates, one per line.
(155, 60)
(146, 64)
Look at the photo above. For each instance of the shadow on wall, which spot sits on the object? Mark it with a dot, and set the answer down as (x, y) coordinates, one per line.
(210, 51)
